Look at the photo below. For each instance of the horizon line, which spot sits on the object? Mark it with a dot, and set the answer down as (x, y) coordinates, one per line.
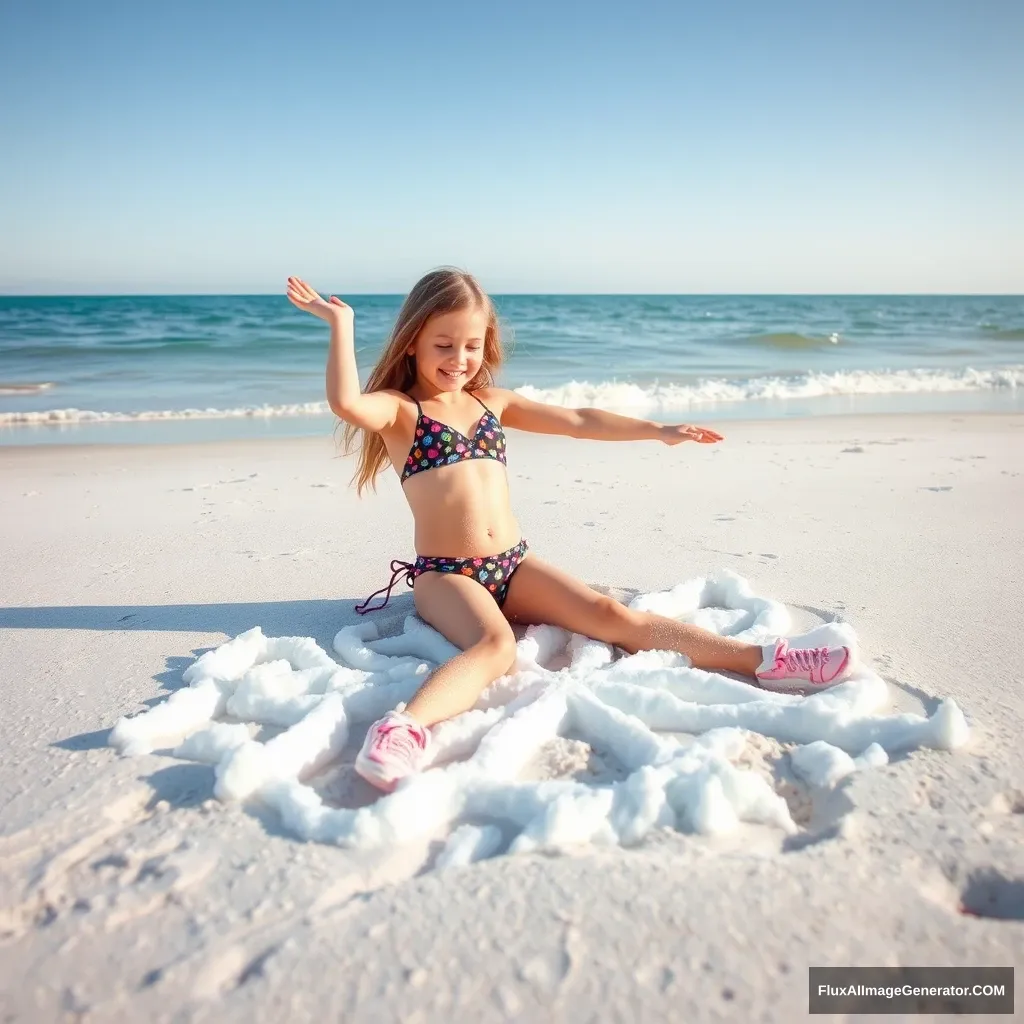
(497, 294)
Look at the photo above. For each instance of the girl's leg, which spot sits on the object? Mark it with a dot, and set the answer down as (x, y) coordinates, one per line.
(539, 592)
(466, 614)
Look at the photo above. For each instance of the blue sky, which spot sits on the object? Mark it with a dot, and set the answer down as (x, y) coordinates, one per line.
(547, 147)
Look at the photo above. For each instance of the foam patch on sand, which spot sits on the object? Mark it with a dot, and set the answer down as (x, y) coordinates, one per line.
(471, 796)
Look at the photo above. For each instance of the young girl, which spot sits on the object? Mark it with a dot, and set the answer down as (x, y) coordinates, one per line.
(431, 410)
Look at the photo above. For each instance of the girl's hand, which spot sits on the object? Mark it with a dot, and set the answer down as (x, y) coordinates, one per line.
(684, 432)
(307, 299)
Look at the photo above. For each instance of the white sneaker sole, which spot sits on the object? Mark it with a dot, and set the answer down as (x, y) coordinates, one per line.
(376, 774)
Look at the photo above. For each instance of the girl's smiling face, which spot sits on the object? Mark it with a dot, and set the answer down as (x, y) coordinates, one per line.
(449, 349)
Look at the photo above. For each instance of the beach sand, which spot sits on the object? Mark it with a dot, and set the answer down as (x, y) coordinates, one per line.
(127, 892)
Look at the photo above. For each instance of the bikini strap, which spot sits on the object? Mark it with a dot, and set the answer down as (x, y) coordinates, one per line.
(473, 395)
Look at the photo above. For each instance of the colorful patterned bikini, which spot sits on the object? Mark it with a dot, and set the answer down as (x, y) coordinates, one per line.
(435, 445)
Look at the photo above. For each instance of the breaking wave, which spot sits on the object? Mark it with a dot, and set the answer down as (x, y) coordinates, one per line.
(615, 395)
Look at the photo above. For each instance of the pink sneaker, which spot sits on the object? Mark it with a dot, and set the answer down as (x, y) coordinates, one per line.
(786, 668)
(394, 748)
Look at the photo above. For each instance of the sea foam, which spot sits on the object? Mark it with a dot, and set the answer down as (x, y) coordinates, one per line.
(614, 395)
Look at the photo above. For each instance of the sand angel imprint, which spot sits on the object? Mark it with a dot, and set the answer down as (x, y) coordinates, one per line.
(471, 796)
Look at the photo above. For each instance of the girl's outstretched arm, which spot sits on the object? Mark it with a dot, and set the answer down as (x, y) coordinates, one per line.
(374, 410)
(595, 424)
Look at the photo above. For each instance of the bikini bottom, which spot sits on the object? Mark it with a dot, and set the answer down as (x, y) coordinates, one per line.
(493, 573)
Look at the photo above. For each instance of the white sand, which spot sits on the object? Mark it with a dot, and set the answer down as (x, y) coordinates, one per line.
(127, 892)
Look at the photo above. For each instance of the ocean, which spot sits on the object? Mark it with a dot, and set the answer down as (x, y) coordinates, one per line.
(134, 369)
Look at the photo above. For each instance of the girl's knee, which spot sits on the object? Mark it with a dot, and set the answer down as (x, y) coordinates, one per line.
(499, 646)
(612, 614)
(616, 624)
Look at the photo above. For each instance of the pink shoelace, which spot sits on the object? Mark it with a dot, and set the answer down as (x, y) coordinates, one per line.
(806, 659)
(397, 739)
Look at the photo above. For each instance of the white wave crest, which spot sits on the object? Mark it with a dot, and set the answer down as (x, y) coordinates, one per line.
(10, 388)
(613, 395)
(57, 417)
(616, 395)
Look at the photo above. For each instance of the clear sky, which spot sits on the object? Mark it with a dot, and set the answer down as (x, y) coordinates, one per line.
(735, 146)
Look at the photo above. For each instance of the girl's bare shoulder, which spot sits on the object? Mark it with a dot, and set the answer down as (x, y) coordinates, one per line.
(399, 396)
(406, 410)
(496, 399)
(379, 411)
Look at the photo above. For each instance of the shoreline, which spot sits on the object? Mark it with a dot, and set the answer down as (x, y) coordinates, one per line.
(743, 424)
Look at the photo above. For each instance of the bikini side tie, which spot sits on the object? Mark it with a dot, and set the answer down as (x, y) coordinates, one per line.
(397, 568)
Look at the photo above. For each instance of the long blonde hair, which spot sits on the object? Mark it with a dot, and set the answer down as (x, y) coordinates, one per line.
(445, 290)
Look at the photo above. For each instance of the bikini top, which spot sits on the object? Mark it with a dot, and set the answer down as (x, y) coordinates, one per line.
(435, 445)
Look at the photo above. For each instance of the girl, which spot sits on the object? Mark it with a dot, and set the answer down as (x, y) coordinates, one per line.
(432, 411)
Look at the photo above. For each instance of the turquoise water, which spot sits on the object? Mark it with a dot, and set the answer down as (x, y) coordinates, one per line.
(125, 369)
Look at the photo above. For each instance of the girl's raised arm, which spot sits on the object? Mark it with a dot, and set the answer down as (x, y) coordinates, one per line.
(372, 411)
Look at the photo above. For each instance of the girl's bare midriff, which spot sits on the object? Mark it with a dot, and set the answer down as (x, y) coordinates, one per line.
(462, 510)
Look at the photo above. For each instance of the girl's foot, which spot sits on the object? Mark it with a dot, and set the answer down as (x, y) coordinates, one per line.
(395, 747)
(785, 668)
